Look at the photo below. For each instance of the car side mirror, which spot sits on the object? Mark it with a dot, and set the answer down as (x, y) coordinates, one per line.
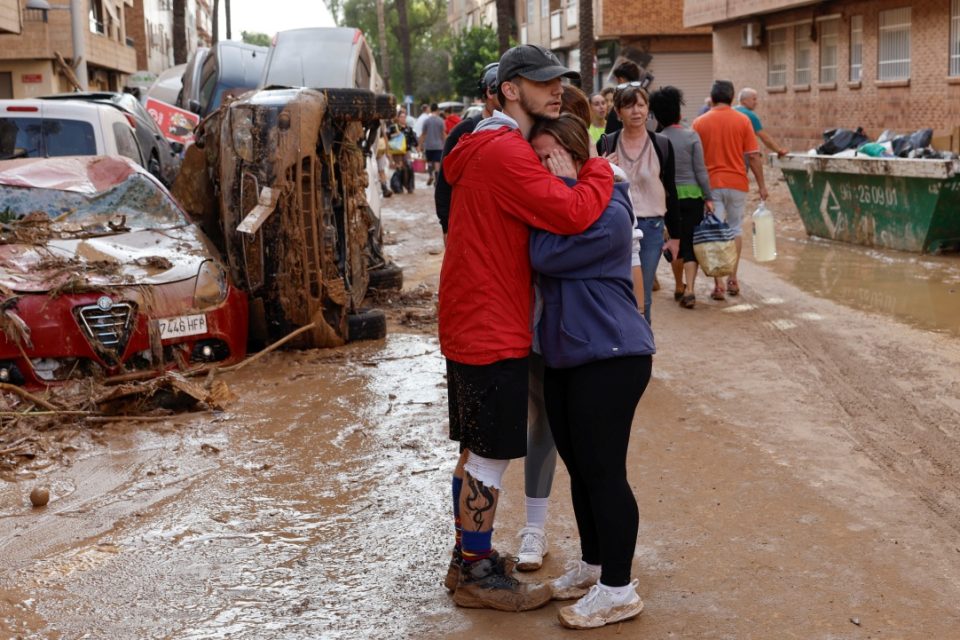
(194, 105)
(176, 147)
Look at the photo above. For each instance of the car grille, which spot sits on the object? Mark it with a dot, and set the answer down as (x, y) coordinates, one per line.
(108, 330)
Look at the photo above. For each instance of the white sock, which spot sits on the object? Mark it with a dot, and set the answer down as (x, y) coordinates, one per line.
(620, 593)
(537, 512)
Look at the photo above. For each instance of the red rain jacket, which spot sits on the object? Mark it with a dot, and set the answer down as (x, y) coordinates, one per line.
(500, 189)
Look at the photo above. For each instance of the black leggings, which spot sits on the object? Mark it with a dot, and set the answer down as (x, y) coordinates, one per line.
(591, 409)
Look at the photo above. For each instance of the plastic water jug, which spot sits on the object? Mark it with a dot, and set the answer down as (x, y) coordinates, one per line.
(764, 234)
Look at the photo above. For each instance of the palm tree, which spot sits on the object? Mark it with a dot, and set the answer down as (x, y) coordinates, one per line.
(404, 36)
(588, 46)
(506, 23)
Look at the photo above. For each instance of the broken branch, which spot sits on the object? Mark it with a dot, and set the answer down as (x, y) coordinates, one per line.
(26, 395)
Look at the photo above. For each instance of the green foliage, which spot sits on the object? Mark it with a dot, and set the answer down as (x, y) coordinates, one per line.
(252, 37)
(473, 49)
(429, 42)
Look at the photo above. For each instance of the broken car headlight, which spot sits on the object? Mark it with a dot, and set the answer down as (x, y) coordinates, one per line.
(211, 287)
(243, 135)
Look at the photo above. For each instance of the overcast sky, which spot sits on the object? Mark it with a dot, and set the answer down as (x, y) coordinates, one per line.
(270, 16)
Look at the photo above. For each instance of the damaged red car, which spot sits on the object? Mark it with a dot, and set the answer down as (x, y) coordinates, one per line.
(103, 275)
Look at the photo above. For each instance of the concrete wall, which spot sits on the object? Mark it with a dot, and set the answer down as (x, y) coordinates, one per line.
(32, 71)
(9, 16)
(797, 115)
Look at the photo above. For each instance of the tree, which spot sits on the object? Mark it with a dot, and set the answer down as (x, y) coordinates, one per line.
(507, 23)
(588, 46)
(473, 49)
(254, 37)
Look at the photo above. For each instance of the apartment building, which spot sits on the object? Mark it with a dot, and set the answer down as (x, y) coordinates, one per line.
(28, 60)
(650, 32)
(885, 64)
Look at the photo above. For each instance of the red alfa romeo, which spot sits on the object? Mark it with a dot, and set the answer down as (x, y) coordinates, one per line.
(101, 274)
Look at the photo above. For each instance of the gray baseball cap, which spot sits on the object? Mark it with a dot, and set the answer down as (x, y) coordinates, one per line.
(533, 63)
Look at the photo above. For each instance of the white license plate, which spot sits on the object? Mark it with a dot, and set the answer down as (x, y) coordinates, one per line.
(181, 326)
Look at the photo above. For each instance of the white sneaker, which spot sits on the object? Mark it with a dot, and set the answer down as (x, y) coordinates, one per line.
(579, 577)
(533, 546)
(600, 607)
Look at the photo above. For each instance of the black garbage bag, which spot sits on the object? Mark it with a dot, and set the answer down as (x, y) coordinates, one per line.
(907, 146)
(836, 140)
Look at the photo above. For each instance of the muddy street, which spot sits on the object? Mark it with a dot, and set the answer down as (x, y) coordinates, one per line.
(796, 460)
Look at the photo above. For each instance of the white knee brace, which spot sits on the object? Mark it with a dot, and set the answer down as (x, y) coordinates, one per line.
(486, 470)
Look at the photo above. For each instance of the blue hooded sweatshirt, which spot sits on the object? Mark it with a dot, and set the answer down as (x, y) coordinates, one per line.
(589, 310)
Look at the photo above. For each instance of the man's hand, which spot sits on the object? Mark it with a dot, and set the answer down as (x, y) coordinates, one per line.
(763, 192)
(560, 164)
(708, 204)
(782, 152)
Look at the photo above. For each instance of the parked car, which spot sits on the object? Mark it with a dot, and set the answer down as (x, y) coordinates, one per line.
(161, 157)
(43, 129)
(167, 87)
(347, 60)
(228, 69)
(101, 274)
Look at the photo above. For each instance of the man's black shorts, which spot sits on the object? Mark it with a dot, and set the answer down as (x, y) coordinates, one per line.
(434, 155)
(488, 407)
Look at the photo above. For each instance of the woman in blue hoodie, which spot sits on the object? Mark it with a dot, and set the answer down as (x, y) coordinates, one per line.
(597, 348)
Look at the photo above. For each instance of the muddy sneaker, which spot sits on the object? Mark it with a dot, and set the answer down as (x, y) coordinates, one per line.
(600, 607)
(575, 583)
(453, 571)
(488, 584)
(533, 546)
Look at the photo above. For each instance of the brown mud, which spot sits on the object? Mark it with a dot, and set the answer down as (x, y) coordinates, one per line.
(795, 461)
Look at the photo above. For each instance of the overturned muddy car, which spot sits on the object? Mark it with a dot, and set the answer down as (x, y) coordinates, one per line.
(102, 275)
(278, 180)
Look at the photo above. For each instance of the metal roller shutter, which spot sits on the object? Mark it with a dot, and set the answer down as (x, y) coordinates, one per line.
(692, 73)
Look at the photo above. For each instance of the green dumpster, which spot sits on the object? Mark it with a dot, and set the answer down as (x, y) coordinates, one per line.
(905, 204)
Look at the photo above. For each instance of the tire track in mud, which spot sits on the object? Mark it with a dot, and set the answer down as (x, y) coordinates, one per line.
(888, 396)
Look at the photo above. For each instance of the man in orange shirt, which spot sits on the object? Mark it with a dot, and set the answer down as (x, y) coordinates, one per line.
(728, 138)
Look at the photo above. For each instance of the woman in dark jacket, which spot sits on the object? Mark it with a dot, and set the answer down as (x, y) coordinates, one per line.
(597, 348)
(647, 159)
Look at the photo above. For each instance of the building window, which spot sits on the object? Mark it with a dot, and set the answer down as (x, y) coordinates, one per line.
(96, 17)
(777, 58)
(955, 38)
(530, 7)
(573, 14)
(802, 53)
(856, 48)
(544, 8)
(894, 56)
(829, 39)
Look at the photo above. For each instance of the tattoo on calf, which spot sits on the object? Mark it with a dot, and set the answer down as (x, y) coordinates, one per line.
(480, 499)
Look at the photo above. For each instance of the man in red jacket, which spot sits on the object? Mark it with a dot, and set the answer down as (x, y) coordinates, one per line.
(501, 190)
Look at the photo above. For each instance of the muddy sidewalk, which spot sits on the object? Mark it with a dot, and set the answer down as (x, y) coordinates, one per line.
(794, 459)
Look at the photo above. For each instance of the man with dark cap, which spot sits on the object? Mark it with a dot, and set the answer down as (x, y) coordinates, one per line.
(500, 190)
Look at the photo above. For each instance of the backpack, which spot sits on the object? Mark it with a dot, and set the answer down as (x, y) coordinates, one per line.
(608, 143)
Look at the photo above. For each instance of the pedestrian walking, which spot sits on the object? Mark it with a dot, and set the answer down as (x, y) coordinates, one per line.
(648, 160)
(401, 142)
(501, 190)
(748, 100)
(728, 137)
(598, 352)
(432, 135)
(417, 126)
(693, 189)
(625, 72)
(598, 116)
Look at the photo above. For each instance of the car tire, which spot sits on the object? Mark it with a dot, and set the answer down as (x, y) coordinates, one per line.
(367, 324)
(352, 104)
(386, 106)
(387, 277)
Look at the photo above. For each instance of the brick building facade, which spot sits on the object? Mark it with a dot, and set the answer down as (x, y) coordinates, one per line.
(9, 16)
(886, 64)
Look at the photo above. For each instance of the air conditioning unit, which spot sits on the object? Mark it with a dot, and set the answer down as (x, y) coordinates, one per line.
(750, 35)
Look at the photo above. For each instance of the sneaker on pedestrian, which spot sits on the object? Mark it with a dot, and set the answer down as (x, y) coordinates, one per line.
(489, 584)
(602, 606)
(533, 546)
(575, 583)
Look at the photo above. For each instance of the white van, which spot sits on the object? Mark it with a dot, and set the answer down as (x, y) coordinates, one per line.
(45, 129)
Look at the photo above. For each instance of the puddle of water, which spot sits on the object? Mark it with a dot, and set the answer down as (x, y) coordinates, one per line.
(921, 290)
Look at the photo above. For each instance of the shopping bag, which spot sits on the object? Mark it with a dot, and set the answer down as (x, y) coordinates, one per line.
(397, 144)
(714, 247)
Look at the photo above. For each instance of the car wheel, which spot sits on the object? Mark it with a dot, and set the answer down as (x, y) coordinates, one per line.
(386, 106)
(352, 104)
(389, 276)
(367, 324)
